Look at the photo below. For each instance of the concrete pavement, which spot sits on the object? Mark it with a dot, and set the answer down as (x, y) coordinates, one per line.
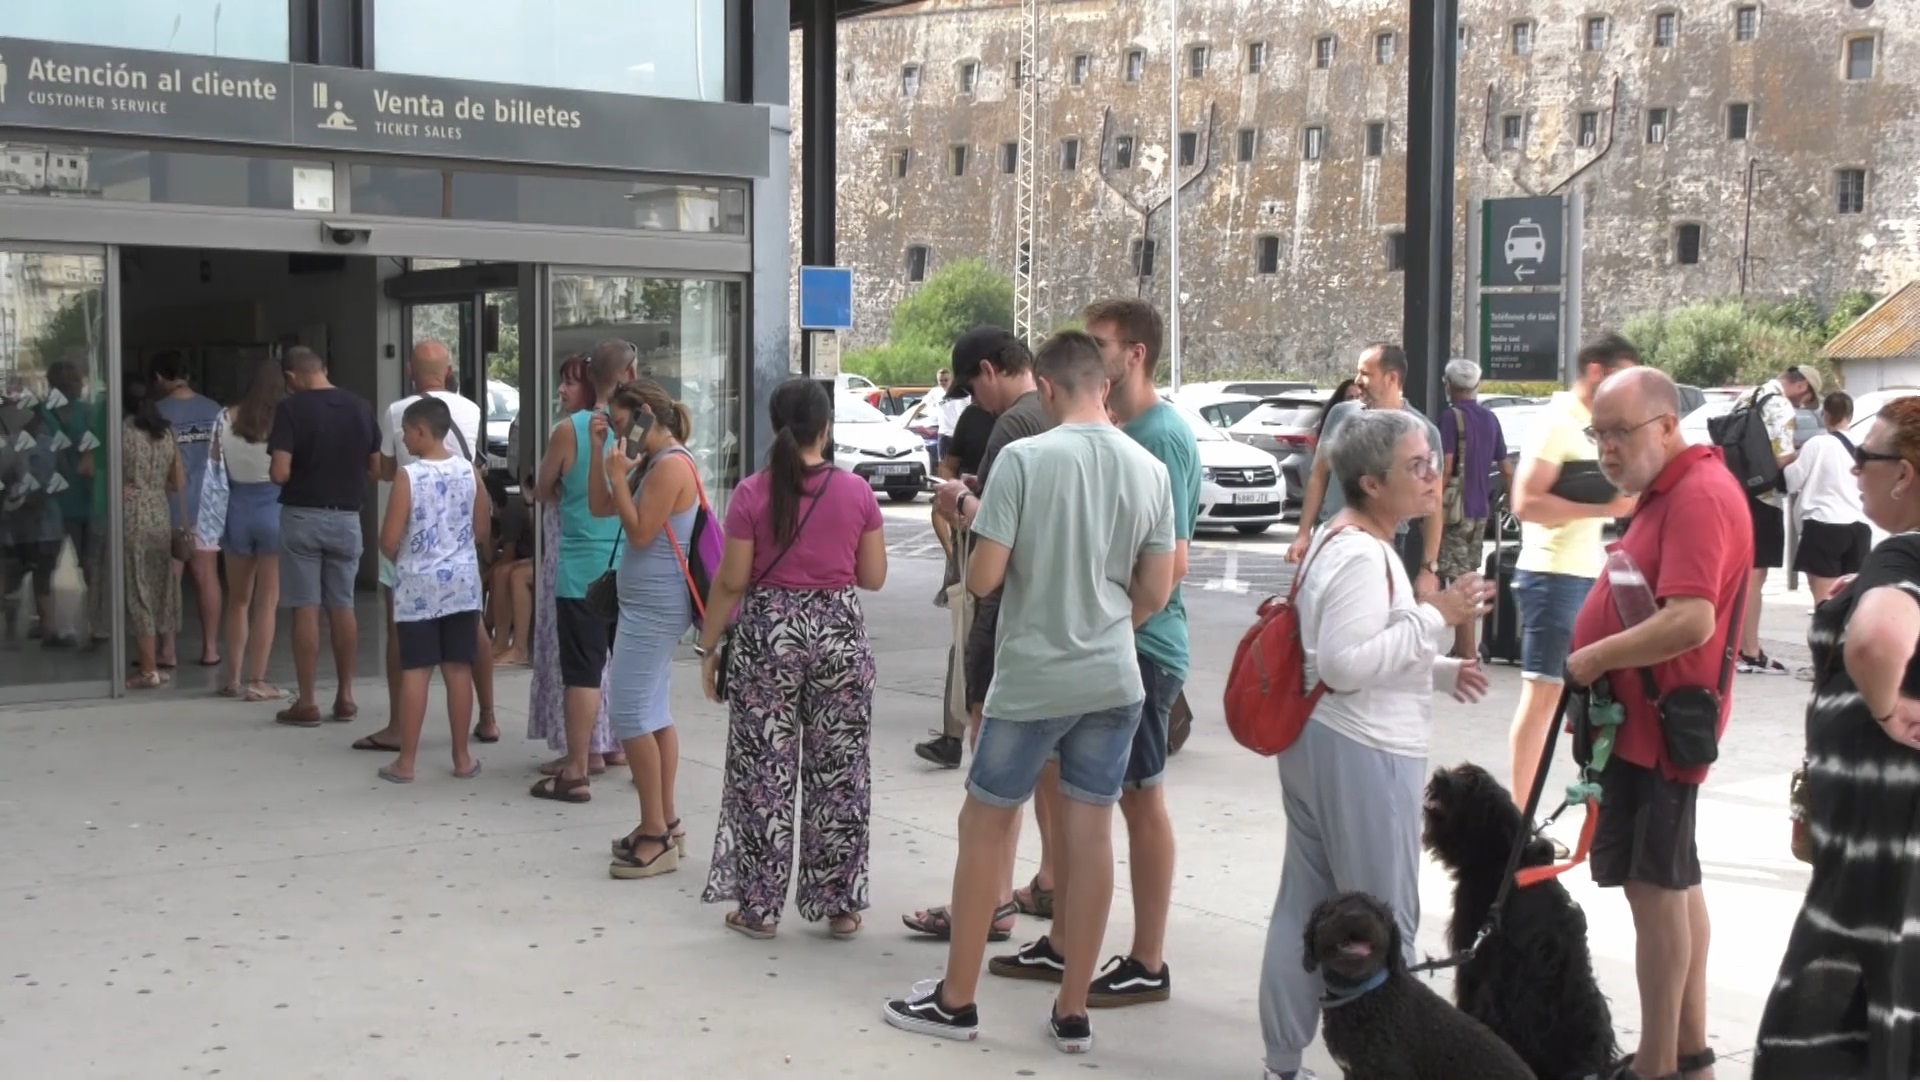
(197, 891)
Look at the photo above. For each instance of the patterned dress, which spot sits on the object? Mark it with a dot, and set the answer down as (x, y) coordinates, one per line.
(546, 705)
(801, 706)
(153, 591)
(1847, 1001)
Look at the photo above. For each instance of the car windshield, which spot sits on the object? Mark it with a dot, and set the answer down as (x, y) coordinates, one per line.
(1285, 415)
(848, 410)
(1232, 412)
(502, 405)
(1202, 431)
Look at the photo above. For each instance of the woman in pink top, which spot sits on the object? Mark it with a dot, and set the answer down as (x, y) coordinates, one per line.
(800, 536)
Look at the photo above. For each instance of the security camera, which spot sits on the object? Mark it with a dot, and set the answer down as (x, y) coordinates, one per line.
(345, 236)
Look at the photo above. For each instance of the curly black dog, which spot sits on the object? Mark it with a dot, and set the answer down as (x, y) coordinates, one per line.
(1532, 981)
(1379, 1021)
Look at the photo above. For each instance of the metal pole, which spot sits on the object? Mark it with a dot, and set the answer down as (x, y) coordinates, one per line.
(819, 51)
(1427, 312)
(1746, 231)
(1470, 319)
(1173, 200)
(1572, 279)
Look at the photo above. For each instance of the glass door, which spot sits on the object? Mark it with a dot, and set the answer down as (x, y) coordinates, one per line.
(63, 546)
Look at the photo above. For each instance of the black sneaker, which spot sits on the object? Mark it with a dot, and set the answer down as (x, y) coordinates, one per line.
(1070, 1034)
(1125, 982)
(922, 1013)
(1037, 961)
(941, 751)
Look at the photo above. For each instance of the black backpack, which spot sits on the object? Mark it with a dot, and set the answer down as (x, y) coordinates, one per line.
(1741, 434)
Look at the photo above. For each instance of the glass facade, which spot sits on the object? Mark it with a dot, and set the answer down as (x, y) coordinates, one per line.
(247, 29)
(663, 48)
(133, 175)
(509, 197)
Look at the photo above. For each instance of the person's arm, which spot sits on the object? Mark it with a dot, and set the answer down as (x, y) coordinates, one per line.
(177, 474)
(555, 463)
(393, 528)
(987, 567)
(1534, 501)
(1679, 625)
(482, 513)
(1782, 419)
(280, 469)
(870, 560)
(1360, 641)
(599, 476)
(1880, 641)
(1152, 584)
(644, 518)
(1316, 495)
(1801, 467)
(995, 522)
(280, 445)
(729, 583)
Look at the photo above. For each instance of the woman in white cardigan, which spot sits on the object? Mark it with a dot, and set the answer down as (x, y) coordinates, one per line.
(1352, 784)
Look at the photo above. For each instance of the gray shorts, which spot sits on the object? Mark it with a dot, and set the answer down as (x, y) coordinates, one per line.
(319, 557)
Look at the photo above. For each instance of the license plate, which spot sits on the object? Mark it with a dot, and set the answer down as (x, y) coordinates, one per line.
(496, 462)
(1253, 497)
(893, 471)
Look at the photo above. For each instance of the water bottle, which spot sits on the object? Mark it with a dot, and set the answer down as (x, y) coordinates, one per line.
(1632, 596)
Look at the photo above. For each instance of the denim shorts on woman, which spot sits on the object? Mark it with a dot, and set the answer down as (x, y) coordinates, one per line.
(1548, 603)
(1093, 750)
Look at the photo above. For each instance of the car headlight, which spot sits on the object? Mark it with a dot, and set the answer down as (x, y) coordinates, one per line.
(1206, 473)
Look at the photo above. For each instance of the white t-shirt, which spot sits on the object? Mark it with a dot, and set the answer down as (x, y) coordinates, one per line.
(1823, 476)
(467, 419)
(948, 410)
(1380, 658)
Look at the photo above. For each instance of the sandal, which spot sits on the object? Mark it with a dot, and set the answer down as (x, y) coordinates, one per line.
(386, 774)
(838, 927)
(230, 691)
(564, 789)
(762, 930)
(623, 845)
(305, 717)
(938, 923)
(345, 711)
(259, 691)
(1697, 1062)
(1038, 901)
(145, 681)
(626, 865)
(374, 743)
(488, 731)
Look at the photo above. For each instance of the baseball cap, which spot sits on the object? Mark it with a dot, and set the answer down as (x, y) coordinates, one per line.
(982, 343)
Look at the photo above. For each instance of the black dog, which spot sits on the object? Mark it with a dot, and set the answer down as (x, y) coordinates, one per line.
(1378, 1020)
(1532, 980)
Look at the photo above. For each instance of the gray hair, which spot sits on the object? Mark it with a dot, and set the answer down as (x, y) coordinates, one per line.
(1366, 446)
(1463, 375)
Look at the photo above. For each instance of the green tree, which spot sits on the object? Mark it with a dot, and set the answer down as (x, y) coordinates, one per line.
(894, 365)
(73, 330)
(956, 298)
(1851, 306)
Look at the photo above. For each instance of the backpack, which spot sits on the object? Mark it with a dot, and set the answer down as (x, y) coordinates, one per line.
(1741, 434)
(700, 562)
(1267, 700)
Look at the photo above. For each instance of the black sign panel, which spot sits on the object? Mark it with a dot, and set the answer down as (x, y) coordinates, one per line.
(1523, 241)
(1520, 336)
(88, 88)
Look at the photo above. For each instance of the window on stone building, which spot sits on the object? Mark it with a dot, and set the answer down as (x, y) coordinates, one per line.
(1140, 256)
(1666, 27)
(902, 159)
(1657, 122)
(1513, 132)
(1069, 155)
(1020, 71)
(1860, 58)
(1082, 66)
(1596, 40)
(1323, 51)
(1248, 139)
(1686, 243)
(1746, 22)
(1189, 147)
(910, 80)
(1197, 61)
(957, 160)
(969, 77)
(1383, 47)
(1589, 129)
(1861, 5)
(916, 263)
(1313, 143)
(1850, 190)
(1136, 65)
(1123, 152)
(1739, 114)
(1521, 37)
(1462, 39)
(1396, 250)
(1376, 138)
(1009, 157)
(1266, 254)
(1256, 58)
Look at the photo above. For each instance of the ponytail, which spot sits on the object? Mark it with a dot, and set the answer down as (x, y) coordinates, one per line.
(788, 474)
(801, 410)
(679, 422)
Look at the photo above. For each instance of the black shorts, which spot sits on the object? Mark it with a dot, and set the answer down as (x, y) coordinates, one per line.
(585, 640)
(1769, 534)
(444, 640)
(1830, 550)
(1646, 831)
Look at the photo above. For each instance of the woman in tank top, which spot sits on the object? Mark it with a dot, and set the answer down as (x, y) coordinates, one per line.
(251, 540)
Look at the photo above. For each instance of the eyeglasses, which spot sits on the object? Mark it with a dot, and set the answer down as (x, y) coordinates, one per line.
(1619, 435)
(1425, 468)
(1862, 456)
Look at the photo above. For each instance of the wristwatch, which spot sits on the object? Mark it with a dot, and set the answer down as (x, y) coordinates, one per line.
(1432, 567)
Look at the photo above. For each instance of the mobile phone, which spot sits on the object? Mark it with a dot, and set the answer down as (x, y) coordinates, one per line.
(637, 434)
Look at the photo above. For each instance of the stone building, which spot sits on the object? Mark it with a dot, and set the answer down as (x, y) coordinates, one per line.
(1292, 154)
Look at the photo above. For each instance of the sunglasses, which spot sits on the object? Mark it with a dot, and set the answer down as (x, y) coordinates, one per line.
(1862, 456)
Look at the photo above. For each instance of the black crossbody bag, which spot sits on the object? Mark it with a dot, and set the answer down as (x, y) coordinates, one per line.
(1690, 716)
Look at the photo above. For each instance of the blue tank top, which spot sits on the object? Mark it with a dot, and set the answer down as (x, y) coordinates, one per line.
(589, 546)
(650, 577)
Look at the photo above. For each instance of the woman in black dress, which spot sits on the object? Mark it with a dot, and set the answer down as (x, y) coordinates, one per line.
(1847, 1001)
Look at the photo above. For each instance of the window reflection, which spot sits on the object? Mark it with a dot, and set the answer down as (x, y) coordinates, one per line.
(662, 49)
(511, 197)
(125, 174)
(248, 29)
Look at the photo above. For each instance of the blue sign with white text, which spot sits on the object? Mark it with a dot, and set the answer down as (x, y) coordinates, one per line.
(826, 298)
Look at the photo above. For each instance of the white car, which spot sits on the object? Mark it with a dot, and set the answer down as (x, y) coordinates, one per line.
(1219, 409)
(503, 408)
(1240, 487)
(871, 446)
(1526, 241)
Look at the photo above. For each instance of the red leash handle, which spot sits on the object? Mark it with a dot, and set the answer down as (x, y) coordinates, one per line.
(1527, 877)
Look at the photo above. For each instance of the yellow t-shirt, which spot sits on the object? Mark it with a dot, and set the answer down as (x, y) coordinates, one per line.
(1559, 436)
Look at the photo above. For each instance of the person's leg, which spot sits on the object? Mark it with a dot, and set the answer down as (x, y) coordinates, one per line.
(1693, 998)
(1662, 956)
(206, 585)
(1093, 756)
(306, 654)
(413, 715)
(1150, 840)
(1289, 995)
(520, 601)
(344, 630)
(1547, 605)
(169, 648)
(339, 568)
(1750, 615)
(836, 723)
(1046, 816)
(498, 602)
(266, 605)
(240, 588)
(459, 681)
(1819, 586)
(481, 675)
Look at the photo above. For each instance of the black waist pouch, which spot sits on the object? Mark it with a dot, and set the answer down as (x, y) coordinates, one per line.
(1690, 724)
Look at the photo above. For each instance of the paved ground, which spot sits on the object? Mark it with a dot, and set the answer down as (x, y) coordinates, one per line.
(195, 891)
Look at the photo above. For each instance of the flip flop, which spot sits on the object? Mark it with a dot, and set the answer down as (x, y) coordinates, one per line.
(479, 733)
(388, 775)
(368, 743)
(344, 711)
(205, 664)
(562, 789)
(752, 931)
(303, 717)
(471, 774)
(846, 933)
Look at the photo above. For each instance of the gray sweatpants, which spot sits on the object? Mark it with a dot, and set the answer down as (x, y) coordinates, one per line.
(1353, 823)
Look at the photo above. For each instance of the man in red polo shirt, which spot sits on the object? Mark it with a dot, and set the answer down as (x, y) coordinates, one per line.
(1692, 540)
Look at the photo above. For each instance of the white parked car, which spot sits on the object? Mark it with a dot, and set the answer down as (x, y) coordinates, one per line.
(1240, 486)
(871, 446)
(1219, 409)
(503, 408)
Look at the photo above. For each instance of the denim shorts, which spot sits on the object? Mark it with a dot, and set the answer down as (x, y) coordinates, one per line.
(319, 557)
(1548, 603)
(1148, 763)
(1093, 750)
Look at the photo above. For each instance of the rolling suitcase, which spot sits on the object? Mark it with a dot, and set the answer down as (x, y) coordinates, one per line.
(1500, 628)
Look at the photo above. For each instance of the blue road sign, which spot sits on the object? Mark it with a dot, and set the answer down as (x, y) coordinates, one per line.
(826, 298)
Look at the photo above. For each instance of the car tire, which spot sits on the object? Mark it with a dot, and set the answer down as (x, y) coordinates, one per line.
(1252, 529)
(903, 495)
